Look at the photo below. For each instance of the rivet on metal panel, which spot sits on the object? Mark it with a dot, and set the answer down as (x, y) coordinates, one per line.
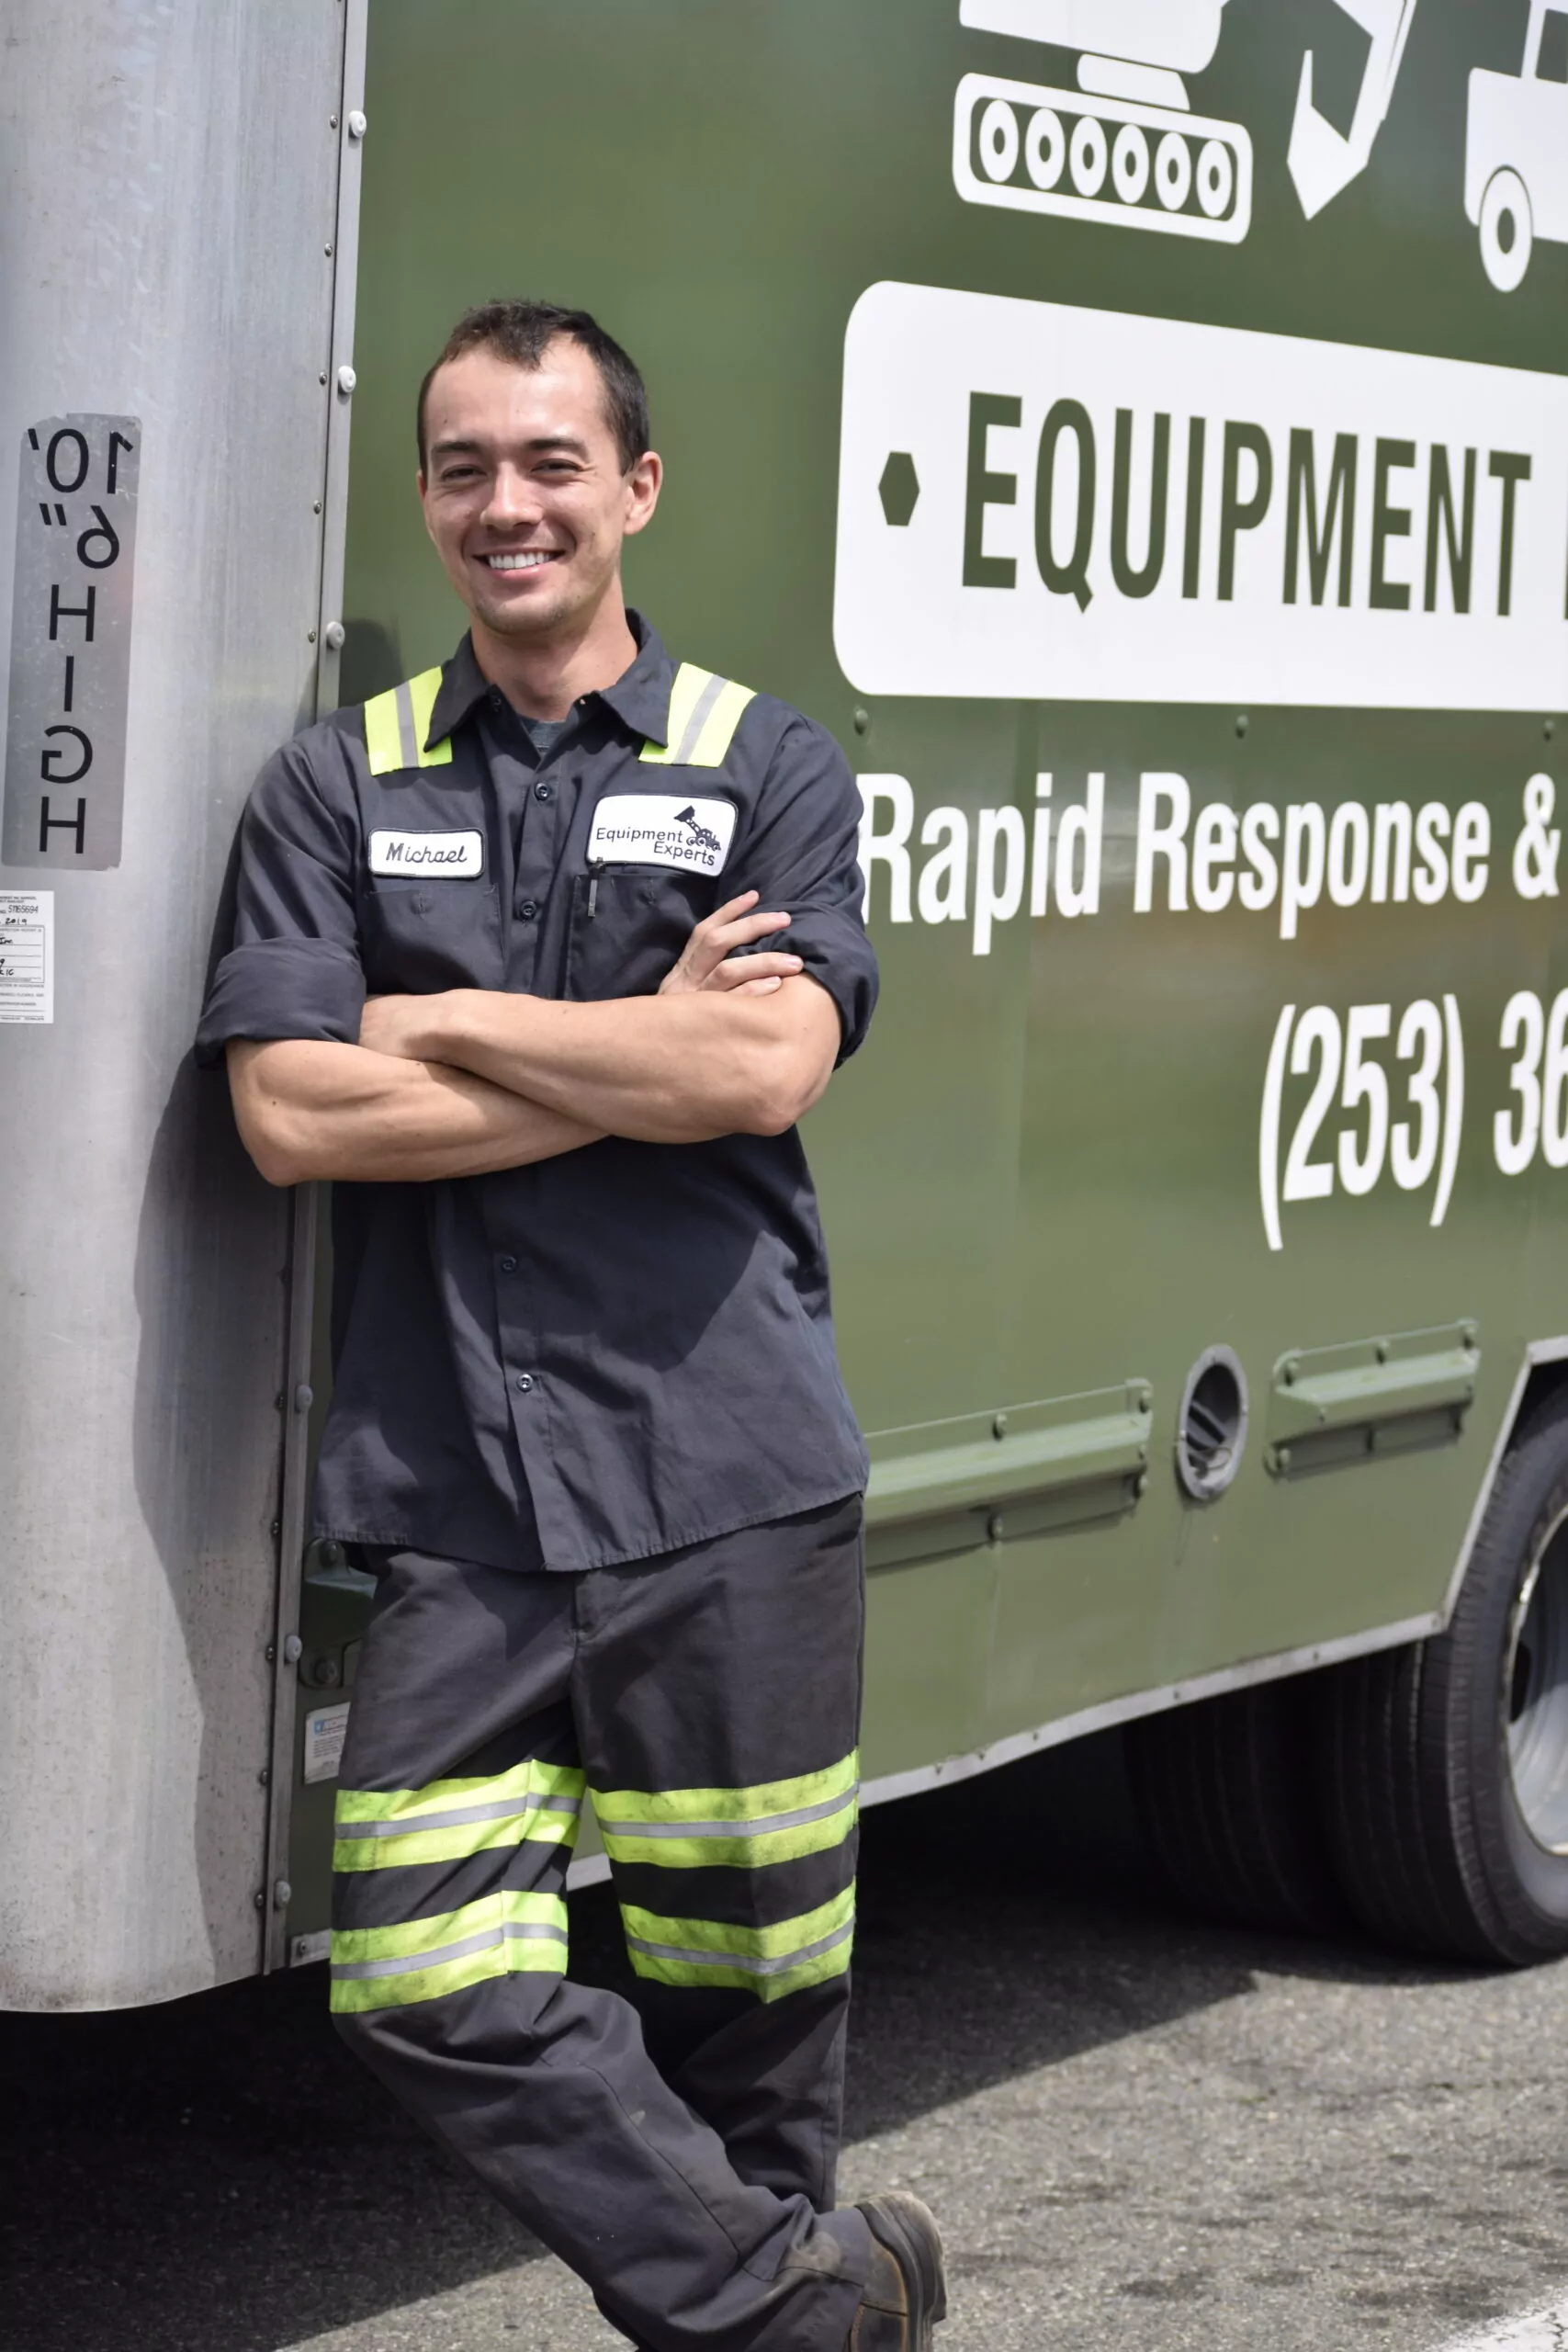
(996, 1527)
(276, 1527)
(259, 1899)
(1288, 1371)
(316, 506)
(358, 125)
(1549, 730)
(333, 635)
(1140, 1486)
(347, 380)
(310, 637)
(265, 1776)
(331, 122)
(1383, 1351)
(304, 1397)
(327, 250)
(282, 1895)
(292, 1646)
(998, 1425)
(1241, 723)
(322, 377)
(1282, 1457)
(863, 722)
(270, 1652)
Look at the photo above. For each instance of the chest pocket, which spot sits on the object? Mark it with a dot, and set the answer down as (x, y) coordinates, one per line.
(628, 925)
(417, 937)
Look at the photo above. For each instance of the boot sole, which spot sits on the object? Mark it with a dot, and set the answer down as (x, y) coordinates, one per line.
(908, 2228)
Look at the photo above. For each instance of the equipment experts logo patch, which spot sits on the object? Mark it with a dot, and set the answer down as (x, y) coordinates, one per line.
(661, 829)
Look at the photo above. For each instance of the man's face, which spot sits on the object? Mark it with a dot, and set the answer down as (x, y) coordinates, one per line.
(523, 490)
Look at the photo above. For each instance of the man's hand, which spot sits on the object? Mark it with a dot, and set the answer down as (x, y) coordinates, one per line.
(710, 958)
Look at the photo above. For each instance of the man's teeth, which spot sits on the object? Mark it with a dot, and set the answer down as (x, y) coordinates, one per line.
(527, 561)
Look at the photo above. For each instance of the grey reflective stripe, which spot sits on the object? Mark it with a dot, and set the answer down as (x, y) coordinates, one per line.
(513, 1931)
(760, 1828)
(743, 1959)
(698, 720)
(502, 1809)
(407, 741)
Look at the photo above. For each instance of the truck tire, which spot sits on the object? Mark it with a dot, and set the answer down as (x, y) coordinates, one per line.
(1446, 1764)
(1507, 231)
(1226, 1791)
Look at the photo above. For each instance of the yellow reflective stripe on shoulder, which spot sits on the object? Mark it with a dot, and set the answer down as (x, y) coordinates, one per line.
(419, 1959)
(384, 1828)
(397, 723)
(773, 1821)
(770, 1961)
(705, 711)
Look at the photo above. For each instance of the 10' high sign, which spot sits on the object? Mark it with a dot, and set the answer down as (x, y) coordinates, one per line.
(71, 642)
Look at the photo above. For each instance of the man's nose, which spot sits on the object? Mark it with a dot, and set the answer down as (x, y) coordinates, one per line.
(514, 503)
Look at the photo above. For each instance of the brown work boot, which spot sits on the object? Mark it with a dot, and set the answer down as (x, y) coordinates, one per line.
(905, 2294)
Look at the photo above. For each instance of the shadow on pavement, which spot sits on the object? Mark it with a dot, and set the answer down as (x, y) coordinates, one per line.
(218, 2176)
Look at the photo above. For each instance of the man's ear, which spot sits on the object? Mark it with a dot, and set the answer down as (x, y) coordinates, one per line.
(644, 482)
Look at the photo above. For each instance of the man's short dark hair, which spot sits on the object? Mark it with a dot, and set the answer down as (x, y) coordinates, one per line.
(522, 332)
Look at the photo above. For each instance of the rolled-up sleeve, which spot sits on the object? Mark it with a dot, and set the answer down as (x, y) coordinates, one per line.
(292, 967)
(799, 854)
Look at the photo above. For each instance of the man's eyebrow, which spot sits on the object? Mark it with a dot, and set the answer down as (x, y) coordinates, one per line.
(470, 449)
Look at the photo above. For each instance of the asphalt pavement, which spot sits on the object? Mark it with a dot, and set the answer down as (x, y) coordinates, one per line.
(1139, 2130)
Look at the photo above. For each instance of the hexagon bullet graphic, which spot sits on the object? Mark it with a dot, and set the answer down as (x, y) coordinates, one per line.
(898, 489)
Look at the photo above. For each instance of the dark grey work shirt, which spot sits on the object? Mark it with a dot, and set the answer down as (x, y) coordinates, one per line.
(629, 1348)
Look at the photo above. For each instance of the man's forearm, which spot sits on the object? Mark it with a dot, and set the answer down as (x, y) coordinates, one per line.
(310, 1111)
(662, 1070)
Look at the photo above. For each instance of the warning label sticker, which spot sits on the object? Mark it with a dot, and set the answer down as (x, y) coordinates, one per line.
(324, 1731)
(27, 955)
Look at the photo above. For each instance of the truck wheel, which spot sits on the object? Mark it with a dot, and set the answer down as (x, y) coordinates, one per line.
(1507, 231)
(1446, 1764)
(1226, 1791)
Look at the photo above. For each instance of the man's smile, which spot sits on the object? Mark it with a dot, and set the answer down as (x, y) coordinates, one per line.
(521, 559)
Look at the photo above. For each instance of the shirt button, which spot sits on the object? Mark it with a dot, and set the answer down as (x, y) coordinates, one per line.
(528, 909)
(509, 1265)
(544, 792)
(524, 1382)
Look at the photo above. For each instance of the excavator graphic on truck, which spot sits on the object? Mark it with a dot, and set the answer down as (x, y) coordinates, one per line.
(1125, 147)
(1516, 150)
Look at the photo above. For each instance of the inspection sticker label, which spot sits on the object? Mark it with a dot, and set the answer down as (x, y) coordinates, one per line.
(324, 1731)
(27, 955)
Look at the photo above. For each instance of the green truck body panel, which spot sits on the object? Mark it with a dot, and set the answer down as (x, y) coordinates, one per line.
(1044, 1179)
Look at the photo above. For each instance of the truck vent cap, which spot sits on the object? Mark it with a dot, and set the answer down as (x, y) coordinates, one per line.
(1210, 1429)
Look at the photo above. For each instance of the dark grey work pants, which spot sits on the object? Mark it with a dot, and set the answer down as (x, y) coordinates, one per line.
(680, 2155)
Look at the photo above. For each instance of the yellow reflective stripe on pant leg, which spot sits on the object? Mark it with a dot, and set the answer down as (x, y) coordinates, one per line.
(773, 1821)
(381, 1828)
(769, 1962)
(397, 723)
(505, 1934)
(705, 711)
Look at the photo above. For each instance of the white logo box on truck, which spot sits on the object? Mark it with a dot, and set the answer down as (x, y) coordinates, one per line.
(1101, 507)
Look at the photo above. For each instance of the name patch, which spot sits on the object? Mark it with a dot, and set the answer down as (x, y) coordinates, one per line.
(454, 858)
(663, 829)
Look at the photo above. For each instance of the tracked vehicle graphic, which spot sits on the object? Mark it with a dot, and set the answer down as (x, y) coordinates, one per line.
(1125, 146)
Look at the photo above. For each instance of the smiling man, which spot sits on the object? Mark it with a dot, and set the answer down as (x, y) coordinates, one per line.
(541, 955)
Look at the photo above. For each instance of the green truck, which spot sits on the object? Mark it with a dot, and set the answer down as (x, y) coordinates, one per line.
(1130, 453)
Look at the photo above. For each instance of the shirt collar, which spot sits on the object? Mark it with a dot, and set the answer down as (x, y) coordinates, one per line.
(639, 698)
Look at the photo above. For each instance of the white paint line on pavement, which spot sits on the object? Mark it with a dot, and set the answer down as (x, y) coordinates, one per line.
(1544, 2331)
